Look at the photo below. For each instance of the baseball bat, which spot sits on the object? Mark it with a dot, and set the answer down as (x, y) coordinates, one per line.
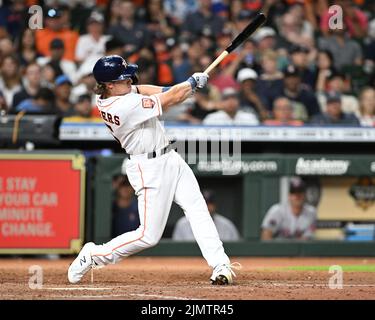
(247, 32)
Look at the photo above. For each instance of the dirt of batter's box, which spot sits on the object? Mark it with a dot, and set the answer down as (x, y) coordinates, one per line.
(145, 278)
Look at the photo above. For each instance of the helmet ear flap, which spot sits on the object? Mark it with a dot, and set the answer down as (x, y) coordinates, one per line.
(134, 79)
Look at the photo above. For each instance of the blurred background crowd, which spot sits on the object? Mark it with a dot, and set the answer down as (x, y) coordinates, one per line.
(293, 71)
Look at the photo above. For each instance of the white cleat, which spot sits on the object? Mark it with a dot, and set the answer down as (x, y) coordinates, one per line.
(82, 264)
(223, 274)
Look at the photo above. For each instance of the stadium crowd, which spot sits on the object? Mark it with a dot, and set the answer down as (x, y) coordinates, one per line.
(295, 70)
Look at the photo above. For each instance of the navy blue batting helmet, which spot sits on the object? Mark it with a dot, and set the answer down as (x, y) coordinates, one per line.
(114, 68)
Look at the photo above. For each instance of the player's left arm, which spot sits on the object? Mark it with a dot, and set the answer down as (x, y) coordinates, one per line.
(148, 90)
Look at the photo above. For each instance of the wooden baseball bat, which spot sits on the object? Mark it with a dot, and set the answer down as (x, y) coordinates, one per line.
(247, 32)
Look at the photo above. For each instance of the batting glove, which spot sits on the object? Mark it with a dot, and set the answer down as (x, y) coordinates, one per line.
(200, 79)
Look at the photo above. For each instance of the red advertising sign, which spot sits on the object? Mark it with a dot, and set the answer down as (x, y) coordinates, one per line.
(41, 202)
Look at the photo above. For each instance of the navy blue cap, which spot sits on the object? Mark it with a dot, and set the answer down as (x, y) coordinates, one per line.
(291, 71)
(113, 68)
(333, 96)
(298, 48)
(297, 185)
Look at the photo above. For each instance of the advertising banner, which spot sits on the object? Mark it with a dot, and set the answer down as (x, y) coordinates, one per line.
(41, 202)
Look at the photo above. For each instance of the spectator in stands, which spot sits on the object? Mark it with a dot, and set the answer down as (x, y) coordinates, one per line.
(49, 73)
(324, 69)
(6, 47)
(114, 46)
(56, 58)
(119, 179)
(41, 103)
(63, 88)
(65, 10)
(226, 229)
(147, 68)
(299, 58)
(265, 39)
(55, 29)
(83, 106)
(157, 20)
(241, 18)
(131, 31)
(294, 219)
(177, 10)
(221, 8)
(282, 114)
(369, 48)
(203, 21)
(354, 19)
(181, 67)
(13, 17)
(194, 50)
(305, 104)
(113, 13)
(270, 82)
(247, 56)
(86, 83)
(27, 48)
(206, 101)
(31, 83)
(162, 59)
(235, 8)
(346, 51)
(337, 82)
(294, 29)
(334, 114)
(367, 107)
(10, 82)
(219, 44)
(248, 52)
(125, 215)
(313, 10)
(249, 98)
(231, 114)
(220, 78)
(92, 44)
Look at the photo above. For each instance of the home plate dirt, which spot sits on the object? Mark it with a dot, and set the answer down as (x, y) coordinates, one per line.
(169, 278)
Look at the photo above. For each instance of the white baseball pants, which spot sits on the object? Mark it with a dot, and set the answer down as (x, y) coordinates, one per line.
(157, 182)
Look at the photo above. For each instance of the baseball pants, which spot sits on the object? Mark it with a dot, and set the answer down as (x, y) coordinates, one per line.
(157, 182)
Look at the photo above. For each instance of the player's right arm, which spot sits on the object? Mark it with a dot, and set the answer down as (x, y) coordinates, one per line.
(141, 108)
(271, 222)
(180, 92)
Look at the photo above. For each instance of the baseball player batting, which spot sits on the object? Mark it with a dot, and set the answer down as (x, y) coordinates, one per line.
(157, 173)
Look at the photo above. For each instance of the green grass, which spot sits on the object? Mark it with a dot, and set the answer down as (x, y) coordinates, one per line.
(345, 268)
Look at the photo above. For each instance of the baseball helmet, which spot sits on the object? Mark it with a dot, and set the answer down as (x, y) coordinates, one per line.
(114, 68)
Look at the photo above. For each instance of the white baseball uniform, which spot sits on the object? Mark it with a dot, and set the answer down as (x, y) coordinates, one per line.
(133, 121)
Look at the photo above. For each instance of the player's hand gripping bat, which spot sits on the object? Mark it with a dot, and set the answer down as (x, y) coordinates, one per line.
(247, 32)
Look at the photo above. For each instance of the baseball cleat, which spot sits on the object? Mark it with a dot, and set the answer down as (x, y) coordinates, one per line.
(223, 274)
(82, 264)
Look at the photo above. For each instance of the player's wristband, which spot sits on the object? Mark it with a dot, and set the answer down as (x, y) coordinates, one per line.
(165, 89)
(192, 82)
